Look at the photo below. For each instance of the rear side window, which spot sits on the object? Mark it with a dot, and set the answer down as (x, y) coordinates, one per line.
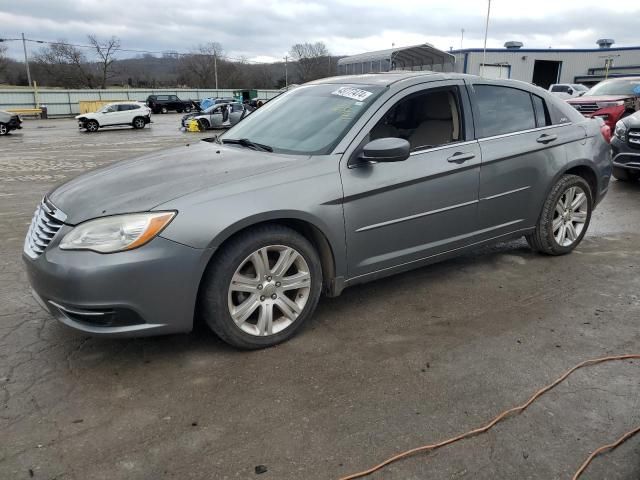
(542, 115)
(503, 110)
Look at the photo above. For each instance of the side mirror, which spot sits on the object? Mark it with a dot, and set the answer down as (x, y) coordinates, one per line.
(386, 150)
(570, 92)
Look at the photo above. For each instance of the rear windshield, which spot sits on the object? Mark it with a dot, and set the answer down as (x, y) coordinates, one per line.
(614, 87)
(311, 119)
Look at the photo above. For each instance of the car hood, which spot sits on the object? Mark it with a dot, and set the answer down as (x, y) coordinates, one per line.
(142, 183)
(599, 98)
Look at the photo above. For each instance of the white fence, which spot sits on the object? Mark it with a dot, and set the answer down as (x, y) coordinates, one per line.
(65, 102)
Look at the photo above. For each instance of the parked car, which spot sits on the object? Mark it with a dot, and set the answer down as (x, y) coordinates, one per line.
(568, 90)
(135, 114)
(9, 121)
(218, 116)
(610, 100)
(338, 182)
(625, 146)
(168, 103)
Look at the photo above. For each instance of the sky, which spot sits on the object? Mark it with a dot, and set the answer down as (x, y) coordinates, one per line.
(264, 30)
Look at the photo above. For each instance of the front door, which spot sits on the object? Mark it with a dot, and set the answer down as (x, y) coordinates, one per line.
(400, 213)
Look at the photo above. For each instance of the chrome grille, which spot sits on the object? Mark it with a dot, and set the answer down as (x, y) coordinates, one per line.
(586, 108)
(634, 137)
(46, 222)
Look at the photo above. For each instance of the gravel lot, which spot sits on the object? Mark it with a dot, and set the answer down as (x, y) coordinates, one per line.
(385, 367)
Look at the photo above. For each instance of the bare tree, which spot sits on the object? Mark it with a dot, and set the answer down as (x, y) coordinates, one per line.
(201, 64)
(66, 65)
(106, 56)
(312, 60)
(4, 61)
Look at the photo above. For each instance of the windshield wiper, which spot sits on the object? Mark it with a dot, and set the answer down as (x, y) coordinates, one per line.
(245, 142)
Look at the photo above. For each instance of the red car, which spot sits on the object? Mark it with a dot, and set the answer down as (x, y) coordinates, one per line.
(610, 100)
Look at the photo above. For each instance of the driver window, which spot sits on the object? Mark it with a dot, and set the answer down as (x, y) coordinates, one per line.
(426, 119)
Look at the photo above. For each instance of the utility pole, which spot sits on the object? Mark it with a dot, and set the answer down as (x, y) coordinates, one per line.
(26, 60)
(486, 31)
(461, 41)
(286, 75)
(215, 68)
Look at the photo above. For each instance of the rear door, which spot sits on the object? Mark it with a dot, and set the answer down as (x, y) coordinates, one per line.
(522, 150)
(404, 212)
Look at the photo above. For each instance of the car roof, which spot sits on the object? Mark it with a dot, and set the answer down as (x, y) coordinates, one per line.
(402, 79)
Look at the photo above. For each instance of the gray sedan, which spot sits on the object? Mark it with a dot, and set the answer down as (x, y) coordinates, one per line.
(338, 182)
(220, 115)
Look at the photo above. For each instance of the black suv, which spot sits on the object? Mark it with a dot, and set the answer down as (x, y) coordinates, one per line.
(165, 103)
(625, 146)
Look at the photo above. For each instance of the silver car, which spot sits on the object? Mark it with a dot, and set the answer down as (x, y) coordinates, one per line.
(338, 182)
(220, 115)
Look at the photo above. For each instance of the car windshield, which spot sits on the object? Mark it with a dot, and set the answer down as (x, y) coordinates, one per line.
(311, 119)
(614, 87)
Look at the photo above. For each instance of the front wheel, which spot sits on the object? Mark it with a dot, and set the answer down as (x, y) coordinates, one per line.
(565, 217)
(91, 126)
(4, 129)
(625, 175)
(163, 110)
(138, 123)
(204, 124)
(262, 287)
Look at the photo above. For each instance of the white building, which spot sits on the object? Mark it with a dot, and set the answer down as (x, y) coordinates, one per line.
(543, 67)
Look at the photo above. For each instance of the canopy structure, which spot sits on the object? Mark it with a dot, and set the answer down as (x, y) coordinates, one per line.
(415, 57)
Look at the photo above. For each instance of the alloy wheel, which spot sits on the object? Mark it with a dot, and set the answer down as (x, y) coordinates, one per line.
(269, 290)
(3, 129)
(92, 126)
(139, 123)
(570, 216)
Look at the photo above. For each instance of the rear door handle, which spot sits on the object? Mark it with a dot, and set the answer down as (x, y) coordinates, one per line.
(544, 138)
(460, 157)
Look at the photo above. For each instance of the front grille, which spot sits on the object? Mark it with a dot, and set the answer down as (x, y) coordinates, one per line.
(634, 137)
(586, 108)
(46, 222)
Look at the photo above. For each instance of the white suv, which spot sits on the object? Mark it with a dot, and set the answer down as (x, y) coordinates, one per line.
(136, 114)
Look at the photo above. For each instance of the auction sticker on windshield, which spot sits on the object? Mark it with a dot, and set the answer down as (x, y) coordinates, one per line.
(353, 93)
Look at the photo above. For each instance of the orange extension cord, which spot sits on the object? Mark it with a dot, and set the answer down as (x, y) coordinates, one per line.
(506, 413)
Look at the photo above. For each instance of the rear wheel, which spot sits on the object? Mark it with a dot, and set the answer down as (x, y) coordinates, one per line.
(625, 175)
(91, 126)
(262, 287)
(565, 217)
(138, 122)
(187, 109)
(4, 129)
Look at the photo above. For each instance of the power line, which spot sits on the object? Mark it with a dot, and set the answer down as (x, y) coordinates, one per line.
(134, 50)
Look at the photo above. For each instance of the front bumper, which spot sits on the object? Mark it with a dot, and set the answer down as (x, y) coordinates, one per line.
(625, 156)
(151, 290)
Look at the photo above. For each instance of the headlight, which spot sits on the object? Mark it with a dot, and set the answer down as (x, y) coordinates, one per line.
(617, 103)
(116, 233)
(621, 130)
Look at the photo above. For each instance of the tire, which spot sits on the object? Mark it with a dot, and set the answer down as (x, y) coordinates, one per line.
(91, 126)
(4, 129)
(250, 299)
(569, 222)
(187, 110)
(625, 175)
(163, 110)
(138, 123)
(204, 124)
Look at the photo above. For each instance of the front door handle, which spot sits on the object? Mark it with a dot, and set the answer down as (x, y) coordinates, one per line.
(460, 157)
(544, 138)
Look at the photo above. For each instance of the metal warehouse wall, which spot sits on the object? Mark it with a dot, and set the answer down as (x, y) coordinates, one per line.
(65, 102)
(574, 63)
